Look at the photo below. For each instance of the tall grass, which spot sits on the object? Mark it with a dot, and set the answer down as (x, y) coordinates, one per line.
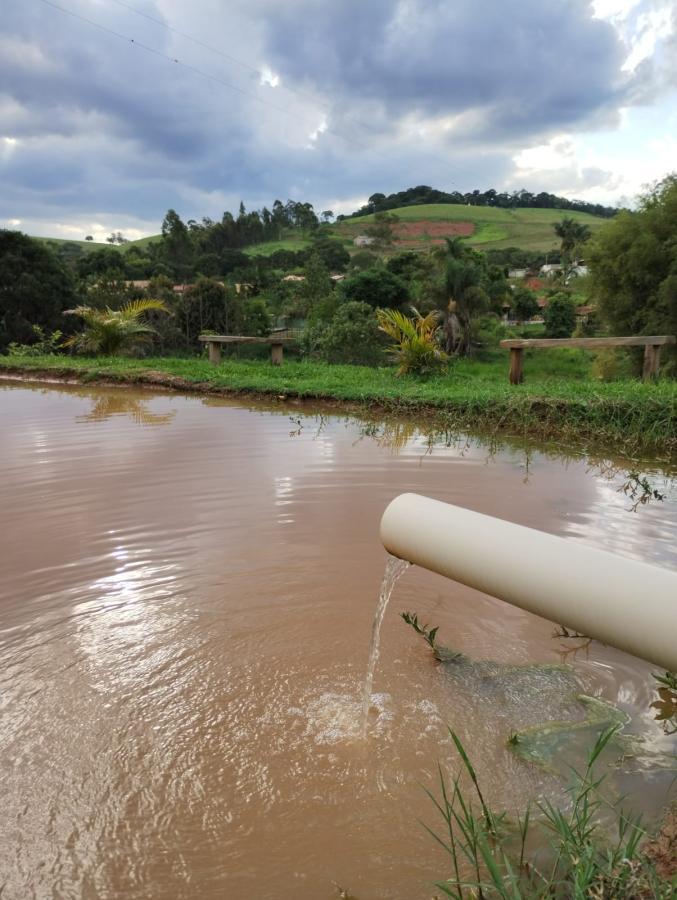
(489, 856)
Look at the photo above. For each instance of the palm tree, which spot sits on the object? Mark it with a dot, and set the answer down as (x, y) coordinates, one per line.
(572, 234)
(109, 331)
(464, 279)
(416, 345)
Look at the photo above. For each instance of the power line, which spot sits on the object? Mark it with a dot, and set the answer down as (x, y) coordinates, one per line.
(184, 65)
(234, 59)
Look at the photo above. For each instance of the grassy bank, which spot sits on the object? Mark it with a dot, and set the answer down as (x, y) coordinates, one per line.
(558, 401)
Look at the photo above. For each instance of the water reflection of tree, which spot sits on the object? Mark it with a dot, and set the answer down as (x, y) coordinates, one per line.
(120, 404)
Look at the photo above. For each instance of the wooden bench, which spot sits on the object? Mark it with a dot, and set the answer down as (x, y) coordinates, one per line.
(652, 350)
(276, 341)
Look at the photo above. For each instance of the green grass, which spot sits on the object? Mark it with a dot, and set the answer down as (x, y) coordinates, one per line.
(90, 246)
(269, 247)
(529, 229)
(559, 401)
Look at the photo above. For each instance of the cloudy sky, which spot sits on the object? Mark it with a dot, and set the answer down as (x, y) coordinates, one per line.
(112, 111)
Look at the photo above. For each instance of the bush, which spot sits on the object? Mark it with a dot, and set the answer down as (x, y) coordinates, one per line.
(376, 286)
(44, 345)
(352, 336)
(559, 316)
(417, 348)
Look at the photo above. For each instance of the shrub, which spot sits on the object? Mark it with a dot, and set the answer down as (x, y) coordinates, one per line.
(352, 336)
(560, 316)
(417, 348)
(44, 345)
(376, 286)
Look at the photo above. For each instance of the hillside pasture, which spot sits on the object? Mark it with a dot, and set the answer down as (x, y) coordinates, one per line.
(484, 227)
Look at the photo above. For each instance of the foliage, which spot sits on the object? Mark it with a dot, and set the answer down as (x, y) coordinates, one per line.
(376, 286)
(605, 365)
(465, 279)
(416, 196)
(572, 235)
(44, 345)
(351, 336)
(255, 318)
(314, 290)
(524, 304)
(35, 288)
(417, 347)
(633, 265)
(582, 859)
(209, 306)
(110, 331)
(559, 316)
(332, 253)
(428, 634)
(382, 228)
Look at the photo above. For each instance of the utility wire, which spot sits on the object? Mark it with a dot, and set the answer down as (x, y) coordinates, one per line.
(188, 66)
(240, 62)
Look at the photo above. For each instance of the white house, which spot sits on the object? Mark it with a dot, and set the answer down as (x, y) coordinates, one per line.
(549, 269)
(363, 240)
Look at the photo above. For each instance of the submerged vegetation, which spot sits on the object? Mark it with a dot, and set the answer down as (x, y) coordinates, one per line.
(547, 852)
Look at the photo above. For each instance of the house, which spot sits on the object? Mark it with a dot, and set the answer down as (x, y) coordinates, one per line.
(294, 278)
(363, 240)
(549, 269)
(517, 273)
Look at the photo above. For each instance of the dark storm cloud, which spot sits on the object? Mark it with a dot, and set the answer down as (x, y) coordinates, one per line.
(416, 91)
(532, 64)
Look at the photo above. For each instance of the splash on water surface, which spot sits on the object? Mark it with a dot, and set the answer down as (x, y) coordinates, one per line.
(395, 568)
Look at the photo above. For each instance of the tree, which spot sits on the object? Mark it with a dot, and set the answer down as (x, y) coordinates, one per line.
(315, 288)
(376, 286)
(208, 306)
(383, 227)
(89, 238)
(109, 331)
(351, 336)
(332, 253)
(465, 277)
(35, 288)
(633, 266)
(105, 261)
(572, 234)
(560, 316)
(524, 304)
(177, 247)
(327, 215)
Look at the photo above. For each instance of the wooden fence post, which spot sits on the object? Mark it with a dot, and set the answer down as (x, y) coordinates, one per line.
(214, 353)
(652, 361)
(516, 365)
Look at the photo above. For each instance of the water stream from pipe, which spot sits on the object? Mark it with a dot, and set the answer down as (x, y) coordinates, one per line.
(395, 568)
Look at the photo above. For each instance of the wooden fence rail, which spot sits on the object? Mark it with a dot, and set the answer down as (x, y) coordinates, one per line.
(652, 350)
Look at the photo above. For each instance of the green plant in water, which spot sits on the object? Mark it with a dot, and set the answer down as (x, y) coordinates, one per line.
(666, 705)
(417, 348)
(640, 490)
(490, 857)
(110, 331)
(428, 634)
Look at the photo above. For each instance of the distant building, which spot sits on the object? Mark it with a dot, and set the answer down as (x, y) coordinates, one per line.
(363, 240)
(549, 269)
(517, 273)
(294, 278)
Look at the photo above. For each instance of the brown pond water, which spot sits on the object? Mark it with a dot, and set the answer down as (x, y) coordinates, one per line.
(188, 587)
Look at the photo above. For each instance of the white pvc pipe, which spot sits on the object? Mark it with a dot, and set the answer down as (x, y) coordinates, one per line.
(627, 604)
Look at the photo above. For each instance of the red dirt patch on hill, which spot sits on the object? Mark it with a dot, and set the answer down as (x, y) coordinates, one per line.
(407, 231)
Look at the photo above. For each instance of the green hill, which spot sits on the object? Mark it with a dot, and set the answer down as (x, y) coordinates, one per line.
(89, 246)
(484, 227)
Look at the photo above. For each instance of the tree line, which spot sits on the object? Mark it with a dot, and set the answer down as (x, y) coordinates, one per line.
(502, 200)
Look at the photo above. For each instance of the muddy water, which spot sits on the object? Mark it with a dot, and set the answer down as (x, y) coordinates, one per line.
(187, 593)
